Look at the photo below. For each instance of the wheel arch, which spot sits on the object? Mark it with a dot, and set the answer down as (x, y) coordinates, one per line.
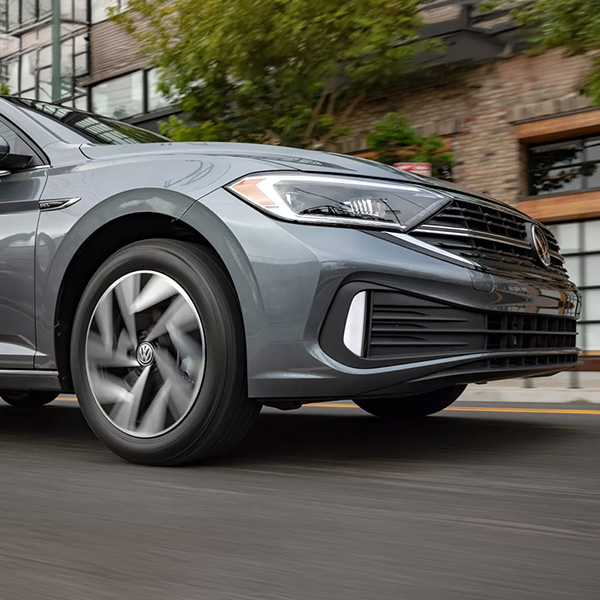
(89, 256)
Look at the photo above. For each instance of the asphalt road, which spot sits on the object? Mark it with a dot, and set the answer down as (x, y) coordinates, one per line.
(322, 503)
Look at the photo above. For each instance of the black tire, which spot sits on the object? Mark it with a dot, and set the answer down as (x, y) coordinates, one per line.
(408, 407)
(222, 414)
(27, 398)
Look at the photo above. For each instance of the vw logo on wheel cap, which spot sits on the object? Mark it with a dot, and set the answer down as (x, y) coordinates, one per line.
(540, 245)
(145, 354)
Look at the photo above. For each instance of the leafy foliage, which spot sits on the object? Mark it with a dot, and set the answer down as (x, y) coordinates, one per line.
(280, 71)
(570, 24)
(393, 140)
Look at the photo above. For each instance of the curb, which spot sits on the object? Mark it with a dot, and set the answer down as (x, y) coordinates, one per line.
(531, 395)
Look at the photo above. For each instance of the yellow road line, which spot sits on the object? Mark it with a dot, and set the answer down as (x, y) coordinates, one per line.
(543, 411)
(491, 409)
(331, 405)
(546, 411)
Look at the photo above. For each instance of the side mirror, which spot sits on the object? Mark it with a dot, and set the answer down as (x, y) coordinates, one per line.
(4, 148)
(9, 161)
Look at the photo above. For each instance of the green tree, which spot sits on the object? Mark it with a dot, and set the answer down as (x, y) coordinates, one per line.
(570, 24)
(281, 71)
(393, 140)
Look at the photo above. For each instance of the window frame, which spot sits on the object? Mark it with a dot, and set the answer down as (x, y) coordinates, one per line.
(531, 172)
(38, 16)
(75, 92)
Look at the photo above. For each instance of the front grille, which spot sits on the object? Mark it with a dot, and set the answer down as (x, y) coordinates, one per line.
(416, 329)
(526, 332)
(410, 329)
(492, 237)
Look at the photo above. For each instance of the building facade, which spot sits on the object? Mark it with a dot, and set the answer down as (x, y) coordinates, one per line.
(516, 123)
(101, 69)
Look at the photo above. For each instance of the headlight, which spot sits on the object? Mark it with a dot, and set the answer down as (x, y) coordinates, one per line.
(332, 200)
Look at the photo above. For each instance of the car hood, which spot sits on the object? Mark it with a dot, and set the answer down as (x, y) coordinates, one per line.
(277, 157)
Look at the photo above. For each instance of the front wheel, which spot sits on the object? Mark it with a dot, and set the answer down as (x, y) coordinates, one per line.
(158, 358)
(420, 405)
(27, 398)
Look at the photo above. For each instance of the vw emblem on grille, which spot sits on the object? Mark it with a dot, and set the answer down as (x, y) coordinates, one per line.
(540, 245)
(145, 354)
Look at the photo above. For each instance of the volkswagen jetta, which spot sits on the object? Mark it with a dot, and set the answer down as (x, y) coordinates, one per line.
(178, 287)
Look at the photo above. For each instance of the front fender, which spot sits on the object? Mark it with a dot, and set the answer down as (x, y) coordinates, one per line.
(62, 234)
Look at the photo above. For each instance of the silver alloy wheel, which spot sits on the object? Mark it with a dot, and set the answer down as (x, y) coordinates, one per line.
(145, 353)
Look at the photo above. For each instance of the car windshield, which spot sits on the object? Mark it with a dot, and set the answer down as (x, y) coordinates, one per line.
(94, 128)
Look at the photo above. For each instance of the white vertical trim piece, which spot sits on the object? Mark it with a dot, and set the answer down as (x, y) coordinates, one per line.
(354, 331)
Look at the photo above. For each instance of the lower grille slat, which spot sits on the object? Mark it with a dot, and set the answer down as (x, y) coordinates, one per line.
(411, 329)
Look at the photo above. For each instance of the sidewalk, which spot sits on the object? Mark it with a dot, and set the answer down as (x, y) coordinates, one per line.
(580, 387)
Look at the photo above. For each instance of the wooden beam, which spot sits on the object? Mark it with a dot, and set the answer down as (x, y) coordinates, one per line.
(567, 207)
(559, 128)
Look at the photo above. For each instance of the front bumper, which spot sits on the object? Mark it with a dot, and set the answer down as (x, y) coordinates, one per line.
(522, 328)
(295, 284)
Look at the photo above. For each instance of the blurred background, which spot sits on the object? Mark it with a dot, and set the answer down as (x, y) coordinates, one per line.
(499, 497)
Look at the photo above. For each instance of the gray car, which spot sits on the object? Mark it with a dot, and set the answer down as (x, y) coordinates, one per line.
(178, 287)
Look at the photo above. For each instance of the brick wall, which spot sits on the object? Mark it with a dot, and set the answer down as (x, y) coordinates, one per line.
(112, 52)
(477, 107)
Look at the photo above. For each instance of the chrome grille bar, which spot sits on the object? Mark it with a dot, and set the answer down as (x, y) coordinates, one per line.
(471, 233)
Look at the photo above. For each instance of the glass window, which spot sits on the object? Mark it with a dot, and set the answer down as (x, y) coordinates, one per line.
(28, 11)
(593, 149)
(80, 10)
(591, 304)
(81, 56)
(45, 8)
(156, 99)
(580, 244)
(66, 59)
(28, 71)
(81, 44)
(565, 179)
(567, 235)
(24, 12)
(573, 265)
(45, 56)
(592, 270)
(564, 167)
(551, 156)
(591, 337)
(99, 8)
(66, 9)
(81, 103)
(81, 65)
(591, 235)
(13, 76)
(13, 14)
(119, 98)
(593, 176)
(45, 84)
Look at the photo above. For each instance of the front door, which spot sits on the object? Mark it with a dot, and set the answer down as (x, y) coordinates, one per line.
(19, 212)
